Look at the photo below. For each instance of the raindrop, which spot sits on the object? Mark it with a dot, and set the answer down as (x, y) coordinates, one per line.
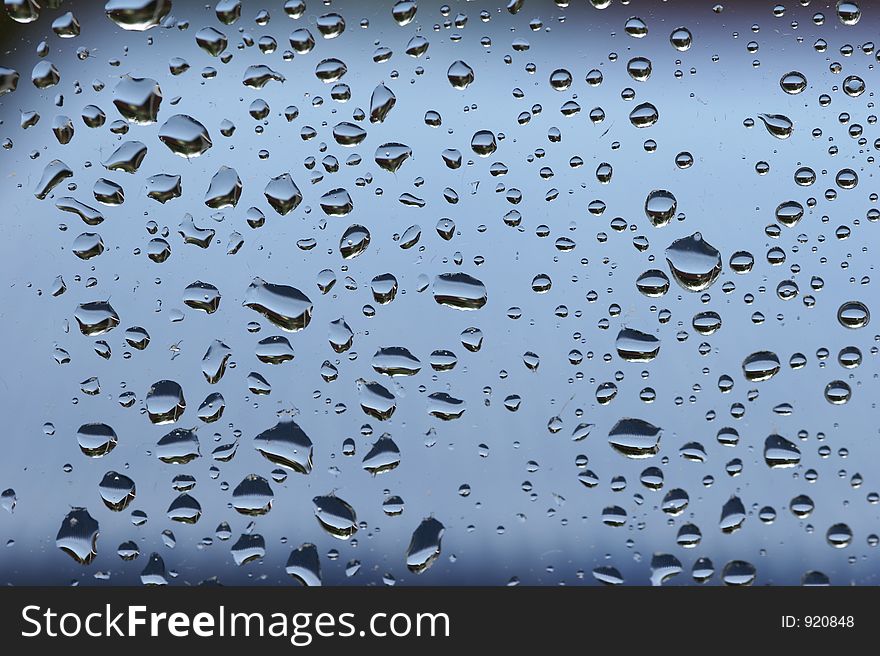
(165, 403)
(460, 75)
(304, 565)
(286, 307)
(778, 125)
(138, 99)
(424, 546)
(78, 536)
(185, 136)
(853, 314)
(117, 491)
(635, 438)
(335, 516)
(694, 262)
(460, 291)
(137, 15)
(287, 445)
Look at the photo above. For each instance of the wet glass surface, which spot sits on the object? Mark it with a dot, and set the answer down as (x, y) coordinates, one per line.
(412, 293)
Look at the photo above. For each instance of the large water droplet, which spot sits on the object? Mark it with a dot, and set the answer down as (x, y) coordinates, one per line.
(286, 307)
(78, 536)
(185, 136)
(635, 438)
(778, 125)
(286, 444)
(335, 516)
(165, 403)
(138, 99)
(694, 262)
(424, 545)
(460, 291)
(137, 15)
(460, 75)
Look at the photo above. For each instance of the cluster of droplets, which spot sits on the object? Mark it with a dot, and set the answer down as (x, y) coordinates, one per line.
(143, 118)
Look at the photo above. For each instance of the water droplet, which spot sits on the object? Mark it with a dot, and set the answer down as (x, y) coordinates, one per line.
(96, 440)
(853, 314)
(259, 75)
(376, 400)
(330, 70)
(681, 38)
(138, 99)
(660, 207)
(560, 79)
(127, 157)
(54, 174)
(837, 392)
(636, 27)
(96, 318)
(8, 80)
(286, 307)
(636, 346)
(483, 143)
(185, 136)
(117, 491)
(330, 25)
(653, 283)
(253, 496)
(224, 190)
(336, 202)
(180, 446)
(211, 40)
(793, 83)
(780, 452)
(733, 514)
(304, 565)
(286, 444)
(137, 15)
(644, 115)
(635, 438)
(839, 536)
(778, 125)
(424, 546)
(404, 11)
(460, 291)
(738, 572)
(848, 12)
(381, 102)
(354, 241)
(760, 366)
(391, 156)
(460, 75)
(639, 68)
(283, 194)
(694, 262)
(78, 536)
(382, 457)
(335, 516)
(165, 403)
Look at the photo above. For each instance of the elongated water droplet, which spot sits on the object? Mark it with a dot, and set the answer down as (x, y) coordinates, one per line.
(778, 125)
(304, 565)
(424, 545)
(635, 438)
(459, 291)
(285, 306)
(335, 516)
